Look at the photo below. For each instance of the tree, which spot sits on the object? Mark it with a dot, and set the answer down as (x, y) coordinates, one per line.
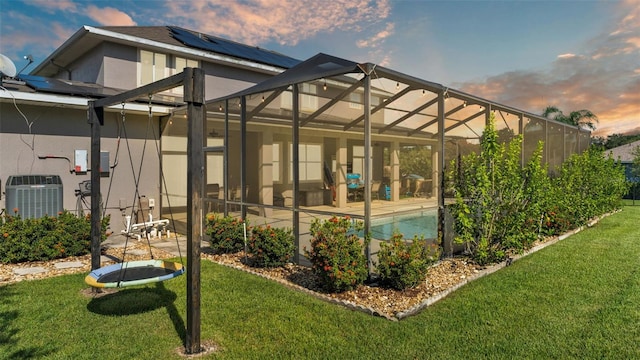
(582, 118)
(416, 160)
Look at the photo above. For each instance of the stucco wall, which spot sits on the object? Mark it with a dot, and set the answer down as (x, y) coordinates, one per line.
(58, 131)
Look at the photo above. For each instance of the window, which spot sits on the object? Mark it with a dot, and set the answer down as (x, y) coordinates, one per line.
(358, 161)
(355, 100)
(308, 98)
(286, 102)
(179, 65)
(153, 67)
(156, 66)
(310, 162)
(275, 161)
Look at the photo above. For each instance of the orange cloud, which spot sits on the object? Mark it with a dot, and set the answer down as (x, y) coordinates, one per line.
(377, 38)
(604, 79)
(109, 16)
(284, 21)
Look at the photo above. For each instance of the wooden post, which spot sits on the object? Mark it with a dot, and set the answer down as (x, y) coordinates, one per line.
(194, 97)
(96, 119)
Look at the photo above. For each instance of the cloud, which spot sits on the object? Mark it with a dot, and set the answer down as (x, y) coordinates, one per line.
(25, 34)
(604, 79)
(566, 56)
(375, 40)
(53, 6)
(109, 16)
(286, 22)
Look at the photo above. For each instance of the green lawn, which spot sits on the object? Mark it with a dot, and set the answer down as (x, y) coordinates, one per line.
(579, 298)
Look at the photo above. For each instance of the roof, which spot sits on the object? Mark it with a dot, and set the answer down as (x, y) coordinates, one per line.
(316, 67)
(168, 38)
(624, 152)
(44, 89)
(410, 104)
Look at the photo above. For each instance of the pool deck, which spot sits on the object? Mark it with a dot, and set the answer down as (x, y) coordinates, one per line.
(379, 209)
(281, 217)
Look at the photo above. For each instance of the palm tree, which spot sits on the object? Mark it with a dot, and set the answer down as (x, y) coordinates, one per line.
(583, 118)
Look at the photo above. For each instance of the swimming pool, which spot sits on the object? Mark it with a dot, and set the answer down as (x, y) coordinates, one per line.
(421, 224)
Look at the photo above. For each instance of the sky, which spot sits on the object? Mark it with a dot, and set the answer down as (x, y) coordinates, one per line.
(529, 54)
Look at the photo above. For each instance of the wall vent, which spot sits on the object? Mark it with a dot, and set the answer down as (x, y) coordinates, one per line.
(34, 196)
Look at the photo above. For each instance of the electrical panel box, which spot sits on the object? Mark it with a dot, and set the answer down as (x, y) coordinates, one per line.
(104, 163)
(81, 161)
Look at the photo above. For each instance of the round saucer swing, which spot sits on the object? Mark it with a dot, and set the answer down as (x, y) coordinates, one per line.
(133, 273)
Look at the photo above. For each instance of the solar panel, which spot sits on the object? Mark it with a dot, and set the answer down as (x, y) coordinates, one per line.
(58, 86)
(226, 47)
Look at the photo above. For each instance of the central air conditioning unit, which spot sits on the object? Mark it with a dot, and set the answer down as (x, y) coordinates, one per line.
(34, 196)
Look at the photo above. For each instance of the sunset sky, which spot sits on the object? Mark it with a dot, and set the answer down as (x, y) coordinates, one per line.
(527, 54)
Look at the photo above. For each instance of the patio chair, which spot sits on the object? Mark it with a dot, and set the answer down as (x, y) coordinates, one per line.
(375, 189)
(285, 198)
(212, 196)
(423, 188)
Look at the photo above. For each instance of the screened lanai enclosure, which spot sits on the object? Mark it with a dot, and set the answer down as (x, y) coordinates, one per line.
(334, 137)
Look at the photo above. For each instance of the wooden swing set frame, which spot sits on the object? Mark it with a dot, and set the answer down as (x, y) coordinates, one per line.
(192, 80)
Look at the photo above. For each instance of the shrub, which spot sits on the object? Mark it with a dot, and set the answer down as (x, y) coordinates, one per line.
(499, 203)
(337, 253)
(588, 185)
(46, 238)
(270, 247)
(403, 264)
(226, 234)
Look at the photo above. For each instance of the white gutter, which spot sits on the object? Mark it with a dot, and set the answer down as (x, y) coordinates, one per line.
(74, 101)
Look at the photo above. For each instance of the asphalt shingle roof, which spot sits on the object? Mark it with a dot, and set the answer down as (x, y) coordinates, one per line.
(624, 152)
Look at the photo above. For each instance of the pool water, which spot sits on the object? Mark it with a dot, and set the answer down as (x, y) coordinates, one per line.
(420, 224)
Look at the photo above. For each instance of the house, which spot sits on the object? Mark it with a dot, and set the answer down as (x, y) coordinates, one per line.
(287, 141)
(44, 114)
(625, 155)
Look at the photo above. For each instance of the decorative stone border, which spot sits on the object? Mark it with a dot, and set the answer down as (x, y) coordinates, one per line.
(432, 299)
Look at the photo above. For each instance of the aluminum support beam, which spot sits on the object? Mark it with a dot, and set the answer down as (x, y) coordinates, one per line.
(243, 156)
(296, 170)
(367, 164)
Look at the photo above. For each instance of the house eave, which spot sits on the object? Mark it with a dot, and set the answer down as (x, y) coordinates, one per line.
(40, 99)
(88, 37)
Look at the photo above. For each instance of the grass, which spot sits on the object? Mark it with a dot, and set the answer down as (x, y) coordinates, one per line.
(579, 298)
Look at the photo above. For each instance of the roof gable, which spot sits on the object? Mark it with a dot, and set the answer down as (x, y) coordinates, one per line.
(624, 152)
(172, 40)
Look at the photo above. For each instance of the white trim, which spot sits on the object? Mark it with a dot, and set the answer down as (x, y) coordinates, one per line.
(123, 38)
(35, 98)
(183, 50)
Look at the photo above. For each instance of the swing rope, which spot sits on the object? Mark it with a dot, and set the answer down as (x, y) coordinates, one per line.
(137, 178)
(128, 273)
(115, 161)
(164, 184)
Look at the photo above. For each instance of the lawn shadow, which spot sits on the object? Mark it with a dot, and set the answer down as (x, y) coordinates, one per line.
(174, 315)
(132, 301)
(9, 331)
(137, 301)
